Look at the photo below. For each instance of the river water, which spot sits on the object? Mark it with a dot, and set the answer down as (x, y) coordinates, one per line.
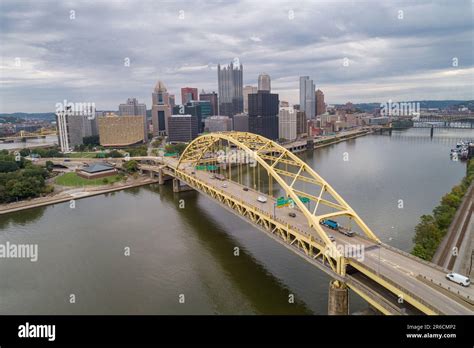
(30, 143)
(190, 251)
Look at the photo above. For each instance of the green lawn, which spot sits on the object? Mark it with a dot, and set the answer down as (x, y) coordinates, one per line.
(72, 179)
(82, 154)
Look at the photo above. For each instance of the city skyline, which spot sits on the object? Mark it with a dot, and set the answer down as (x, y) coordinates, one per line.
(364, 52)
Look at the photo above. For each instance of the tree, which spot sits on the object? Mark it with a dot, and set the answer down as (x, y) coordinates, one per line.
(49, 166)
(176, 148)
(443, 215)
(92, 140)
(115, 154)
(427, 237)
(451, 200)
(25, 152)
(130, 166)
(8, 166)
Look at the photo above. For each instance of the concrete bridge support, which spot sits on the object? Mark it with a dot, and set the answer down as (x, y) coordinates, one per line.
(176, 185)
(161, 177)
(180, 187)
(338, 298)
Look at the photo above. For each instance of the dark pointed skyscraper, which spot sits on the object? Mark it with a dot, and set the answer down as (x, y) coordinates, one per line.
(230, 80)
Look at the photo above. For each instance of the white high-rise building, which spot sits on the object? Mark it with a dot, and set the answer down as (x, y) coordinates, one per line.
(72, 128)
(287, 123)
(264, 83)
(307, 97)
(246, 91)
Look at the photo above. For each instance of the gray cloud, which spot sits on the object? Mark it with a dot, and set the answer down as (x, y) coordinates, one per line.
(82, 59)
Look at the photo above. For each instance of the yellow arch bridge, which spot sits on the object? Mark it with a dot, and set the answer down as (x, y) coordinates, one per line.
(251, 175)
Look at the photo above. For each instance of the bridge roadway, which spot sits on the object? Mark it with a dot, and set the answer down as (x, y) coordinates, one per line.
(401, 269)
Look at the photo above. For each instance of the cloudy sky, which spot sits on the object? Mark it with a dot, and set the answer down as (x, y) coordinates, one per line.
(359, 51)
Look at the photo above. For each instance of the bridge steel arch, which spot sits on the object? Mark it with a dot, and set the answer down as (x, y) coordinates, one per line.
(269, 154)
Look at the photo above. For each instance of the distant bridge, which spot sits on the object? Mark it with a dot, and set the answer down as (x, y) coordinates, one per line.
(42, 133)
(444, 121)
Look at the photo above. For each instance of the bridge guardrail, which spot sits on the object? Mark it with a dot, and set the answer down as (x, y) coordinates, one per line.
(404, 253)
(353, 282)
(395, 285)
(413, 257)
(467, 298)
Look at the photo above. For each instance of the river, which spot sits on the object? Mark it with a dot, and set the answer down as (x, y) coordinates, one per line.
(190, 251)
(48, 140)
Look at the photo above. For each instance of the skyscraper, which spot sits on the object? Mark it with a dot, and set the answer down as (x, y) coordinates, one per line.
(246, 91)
(132, 108)
(241, 122)
(160, 109)
(172, 100)
(218, 124)
(320, 105)
(182, 128)
(307, 97)
(188, 94)
(230, 89)
(212, 98)
(193, 109)
(263, 114)
(264, 83)
(301, 123)
(72, 128)
(287, 123)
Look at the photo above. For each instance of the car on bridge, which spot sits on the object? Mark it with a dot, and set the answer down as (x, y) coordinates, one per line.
(261, 199)
(458, 278)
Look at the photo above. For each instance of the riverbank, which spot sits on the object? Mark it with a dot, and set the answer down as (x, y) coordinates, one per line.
(460, 238)
(72, 194)
(434, 232)
(337, 139)
(325, 140)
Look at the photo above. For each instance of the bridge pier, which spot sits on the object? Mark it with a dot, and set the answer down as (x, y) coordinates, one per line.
(338, 298)
(162, 177)
(178, 187)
